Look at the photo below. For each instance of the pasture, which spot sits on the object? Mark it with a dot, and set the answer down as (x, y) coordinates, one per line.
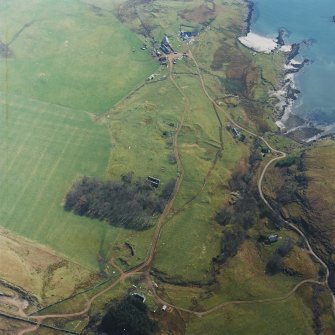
(63, 116)
(277, 319)
(66, 53)
(67, 63)
(43, 149)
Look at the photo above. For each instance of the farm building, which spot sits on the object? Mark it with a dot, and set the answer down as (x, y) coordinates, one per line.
(139, 296)
(163, 60)
(185, 35)
(154, 182)
(166, 46)
(272, 238)
(235, 132)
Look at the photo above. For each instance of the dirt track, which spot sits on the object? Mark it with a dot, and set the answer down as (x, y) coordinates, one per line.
(145, 267)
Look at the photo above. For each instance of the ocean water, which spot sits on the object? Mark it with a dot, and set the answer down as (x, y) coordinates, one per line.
(306, 20)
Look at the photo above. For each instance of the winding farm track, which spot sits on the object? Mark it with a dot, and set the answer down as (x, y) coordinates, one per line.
(280, 155)
(145, 267)
(148, 262)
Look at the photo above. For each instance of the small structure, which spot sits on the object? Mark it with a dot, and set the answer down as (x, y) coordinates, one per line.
(185, 35)
(164, 308)
(166, 46)
(272, 239)
(163, 60)
(139, 296)
(154, 182)
(165, 41)
(235, 132)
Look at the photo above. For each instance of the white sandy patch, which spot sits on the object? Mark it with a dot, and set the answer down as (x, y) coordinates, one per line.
(259, 43)
(286, 48)
(295, 62)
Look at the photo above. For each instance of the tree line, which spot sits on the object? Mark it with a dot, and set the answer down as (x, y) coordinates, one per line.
(128, 316)
(245, 212)
(126, 203)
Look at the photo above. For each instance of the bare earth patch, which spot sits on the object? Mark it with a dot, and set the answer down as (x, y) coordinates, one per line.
(41, 272)
(202, 15)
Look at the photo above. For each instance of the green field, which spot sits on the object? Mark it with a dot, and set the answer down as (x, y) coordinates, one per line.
(66, 65)
(276, 319)
(74, 101)
(44, 148)
(69, 55)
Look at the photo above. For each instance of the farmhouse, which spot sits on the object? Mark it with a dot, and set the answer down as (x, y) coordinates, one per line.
(185, 35)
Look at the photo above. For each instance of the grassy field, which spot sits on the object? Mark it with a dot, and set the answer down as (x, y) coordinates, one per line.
(277, 319)
(70, 55)
(67, 62)
(66, 112)
(44, 148)
(190, 238)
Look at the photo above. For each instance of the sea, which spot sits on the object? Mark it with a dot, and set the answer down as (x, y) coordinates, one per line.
(311, 21)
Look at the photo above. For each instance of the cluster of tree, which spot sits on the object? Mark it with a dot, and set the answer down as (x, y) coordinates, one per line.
(296, 181)
(286, 162)
(245, 212)
(316, 309)
(240, 217)
(127, 203)
(274, 265)
(129, 316)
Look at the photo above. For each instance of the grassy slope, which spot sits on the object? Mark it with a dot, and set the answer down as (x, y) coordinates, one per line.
(190, 239)
(70, 56)
(44, 146)
(316, 211)
(320, 170)
(191, 236)
(277, 319)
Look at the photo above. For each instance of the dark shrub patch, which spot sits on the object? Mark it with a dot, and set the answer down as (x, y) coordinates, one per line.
(129, 316)
(126, 204)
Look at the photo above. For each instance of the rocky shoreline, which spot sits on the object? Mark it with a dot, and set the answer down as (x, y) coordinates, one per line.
(290, 124)
(251, 8)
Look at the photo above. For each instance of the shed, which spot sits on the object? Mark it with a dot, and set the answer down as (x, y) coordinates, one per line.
(139, 296)
(235, 132)
(272, 238)
(153, 181)
(185, 35)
